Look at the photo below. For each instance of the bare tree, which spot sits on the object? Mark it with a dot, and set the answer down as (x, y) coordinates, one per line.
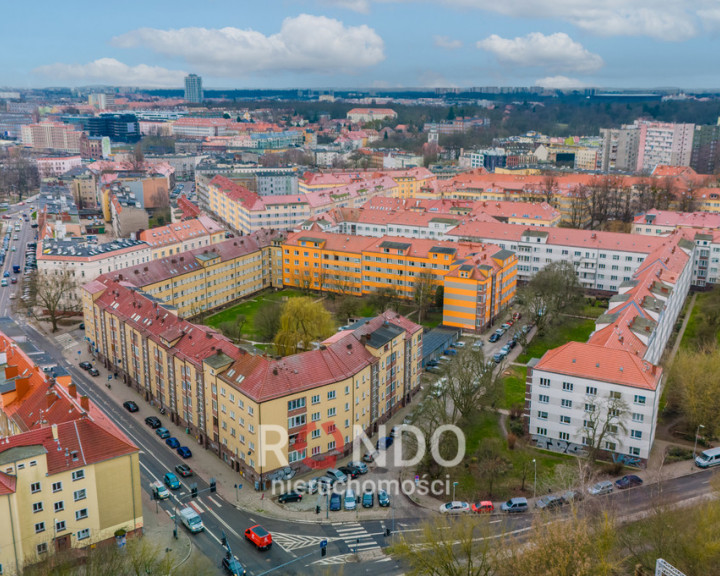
(471, 383)
(55, 295)
(579, 207)
(605, 419)
(423, 293)
(548, 187)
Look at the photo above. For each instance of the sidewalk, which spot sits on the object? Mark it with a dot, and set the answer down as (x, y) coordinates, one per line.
(206, 463)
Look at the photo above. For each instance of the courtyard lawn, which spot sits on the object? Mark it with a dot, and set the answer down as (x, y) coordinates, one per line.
(249, 308)
(514, 386)
(570, 329)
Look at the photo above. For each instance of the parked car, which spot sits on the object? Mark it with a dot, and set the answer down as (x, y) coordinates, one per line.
(515, 505)
(232, 566)
(498, 357)
(171, 481)
(325, 483)
(459, 344)
(349, 471)
(603, 487)
(383, 498)
(172, 442)
(130, 406)
(184, 470)
(396, 431)
(259, 536)
(505, 350)
(94, 372)
(360, 466)
(184, 452)
(572, 496)
(477, 345)
(335, 502)
(368, 499)
(336, 475)
(628, 481)
(309, 487)
(506, 326)
(526, 328)
(83, 365)
(153, 422)
(290, 497)
(431, 363)
(494, 337)
(549, 502)
(517, 316)
(512, 343)
(455, 507)
(349, 501)
(385, 443)
(369, 457)
(483, 507)
(163, 433)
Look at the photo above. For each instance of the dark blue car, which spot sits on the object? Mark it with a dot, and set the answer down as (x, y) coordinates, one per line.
(335, 502)
(172, 442)
(385, 443)
(184, 452)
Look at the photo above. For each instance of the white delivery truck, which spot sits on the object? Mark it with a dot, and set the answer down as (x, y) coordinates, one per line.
(191, 519)
(159, 491)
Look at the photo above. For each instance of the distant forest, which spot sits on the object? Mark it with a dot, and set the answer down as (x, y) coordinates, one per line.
(572, 114)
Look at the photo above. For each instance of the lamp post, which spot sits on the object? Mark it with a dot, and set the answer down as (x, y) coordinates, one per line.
(696, 438)
(454, 484)
(534, 478)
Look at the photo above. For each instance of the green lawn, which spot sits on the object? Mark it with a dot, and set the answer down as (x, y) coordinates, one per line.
(249, 308)
(570, 329)
(705, 306)
(514, 384)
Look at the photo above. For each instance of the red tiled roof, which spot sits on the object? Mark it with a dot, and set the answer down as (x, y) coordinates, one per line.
(7, 483)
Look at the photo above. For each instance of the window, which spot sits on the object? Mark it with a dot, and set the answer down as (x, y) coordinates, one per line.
(564, 419)
(42, 548)
(615, 395)
(37, 507)
(296, 421)
(544, 382)
(565, 403)
(331, 445)
(637, 434)
(59, 525)
(589, 407)
(541, 431)
(331, 395)
(610, 445)
(315, 434)
(564, 436)
(59, 506)
(295, 404)
(635, 451)
(544, 399)
(39, 527)
(315, 416)
(57, 486)
(83, 534)
(81, 514)
(591, 390)
(331, 412)
(639, 399)
(78, 475)
(35, 487)
(638, 417)
(542, 415)
(568, 386)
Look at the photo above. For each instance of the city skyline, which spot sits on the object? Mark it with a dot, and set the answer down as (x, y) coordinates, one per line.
(363, 43)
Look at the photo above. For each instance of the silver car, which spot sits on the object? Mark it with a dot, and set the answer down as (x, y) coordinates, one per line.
(603, 487)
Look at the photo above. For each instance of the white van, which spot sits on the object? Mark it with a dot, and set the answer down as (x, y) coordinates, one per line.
(708, 458)
(191, 519)
(350, 502)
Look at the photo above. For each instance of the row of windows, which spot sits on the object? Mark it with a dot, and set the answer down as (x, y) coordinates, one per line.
(56, 486)
(607, 445)
(589, 390)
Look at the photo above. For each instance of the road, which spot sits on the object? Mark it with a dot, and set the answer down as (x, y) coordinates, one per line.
(292, 540)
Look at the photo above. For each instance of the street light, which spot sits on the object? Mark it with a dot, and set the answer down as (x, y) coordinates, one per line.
(454, 484)
(696, 438)
(534, 478)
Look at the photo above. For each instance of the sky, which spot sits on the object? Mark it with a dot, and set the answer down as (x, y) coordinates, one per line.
(327, 44)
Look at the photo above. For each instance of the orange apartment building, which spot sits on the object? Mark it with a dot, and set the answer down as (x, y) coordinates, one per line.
(479, 280)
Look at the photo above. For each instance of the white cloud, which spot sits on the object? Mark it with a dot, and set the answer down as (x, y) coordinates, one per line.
(304, 44)
(556, 51)
(112, 71)
(559, 83)
(448, 43)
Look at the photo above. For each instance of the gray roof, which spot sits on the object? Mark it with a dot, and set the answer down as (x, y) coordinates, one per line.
(81, 248)
(21, 453)
(438, 338)
(383, 335)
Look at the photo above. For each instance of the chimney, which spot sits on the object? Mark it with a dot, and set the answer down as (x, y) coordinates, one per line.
(72, 389)
(55, 432)
(85, 403)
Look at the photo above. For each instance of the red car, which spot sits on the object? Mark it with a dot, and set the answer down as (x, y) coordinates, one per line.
(259, 536)
(517, 316)
(484, 507)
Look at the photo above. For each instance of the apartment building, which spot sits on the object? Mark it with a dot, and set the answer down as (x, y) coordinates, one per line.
(69, 478)
(182, 236)
(54, 166)
(362, 265)
(52, 136)
(662, 222)
(613, 381)
(84, 261)
(226, 396)
(204, 278)
(664, 143)
(370, 114)
(246, 211)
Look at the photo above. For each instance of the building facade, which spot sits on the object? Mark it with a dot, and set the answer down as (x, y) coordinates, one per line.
(193, 89)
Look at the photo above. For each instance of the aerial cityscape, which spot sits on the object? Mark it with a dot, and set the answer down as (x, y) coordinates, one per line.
(360, 286)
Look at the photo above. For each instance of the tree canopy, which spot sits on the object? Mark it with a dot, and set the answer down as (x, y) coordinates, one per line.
(303, 321)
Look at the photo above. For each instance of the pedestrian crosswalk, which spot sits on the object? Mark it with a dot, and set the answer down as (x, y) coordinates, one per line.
(356, 537)
(66, 341)
(331, 560)
(290, 542)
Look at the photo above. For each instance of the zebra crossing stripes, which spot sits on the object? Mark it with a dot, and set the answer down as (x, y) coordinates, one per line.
(331, 560)
(356, 537)
(66, 341)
